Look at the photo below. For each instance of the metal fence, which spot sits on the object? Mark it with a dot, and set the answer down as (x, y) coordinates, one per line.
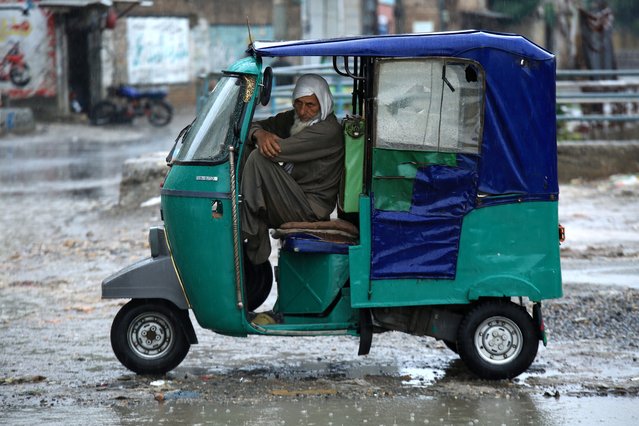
(582, 95)
(598, 95)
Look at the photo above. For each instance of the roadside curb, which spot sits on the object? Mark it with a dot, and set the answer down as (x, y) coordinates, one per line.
(591, 160)
(141, 179)
(16, 120)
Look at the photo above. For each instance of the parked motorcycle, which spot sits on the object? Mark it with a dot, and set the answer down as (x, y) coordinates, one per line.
(127, 102)
(14, 68)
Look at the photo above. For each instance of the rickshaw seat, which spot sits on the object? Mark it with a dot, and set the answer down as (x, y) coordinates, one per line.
(332, 236)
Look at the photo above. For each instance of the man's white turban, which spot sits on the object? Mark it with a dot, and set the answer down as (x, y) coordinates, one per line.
(313, 84)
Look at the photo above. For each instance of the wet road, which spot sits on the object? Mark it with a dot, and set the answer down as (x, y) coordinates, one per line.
(62, 235)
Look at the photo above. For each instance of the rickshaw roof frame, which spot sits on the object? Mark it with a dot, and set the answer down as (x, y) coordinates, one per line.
(453, 43)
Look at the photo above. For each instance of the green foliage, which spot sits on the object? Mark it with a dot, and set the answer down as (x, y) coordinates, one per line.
(515, 9)
(626, 14)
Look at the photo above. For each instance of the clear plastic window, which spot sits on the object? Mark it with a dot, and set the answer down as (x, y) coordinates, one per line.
(430, 104)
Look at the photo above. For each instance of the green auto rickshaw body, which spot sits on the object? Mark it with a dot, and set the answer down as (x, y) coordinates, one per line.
(197, 207)
(450, 176)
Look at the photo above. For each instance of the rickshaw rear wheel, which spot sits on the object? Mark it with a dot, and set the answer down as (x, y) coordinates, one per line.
(451, 345)
(497, 340)
(258, 282)
(147, 336)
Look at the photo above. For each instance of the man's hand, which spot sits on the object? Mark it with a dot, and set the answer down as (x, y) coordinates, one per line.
(268, 143)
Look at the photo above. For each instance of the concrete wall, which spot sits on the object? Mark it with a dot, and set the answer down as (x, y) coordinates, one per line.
(16, 120)
(597, 159)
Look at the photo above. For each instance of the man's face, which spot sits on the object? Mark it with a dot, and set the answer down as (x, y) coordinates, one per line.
(306, 107)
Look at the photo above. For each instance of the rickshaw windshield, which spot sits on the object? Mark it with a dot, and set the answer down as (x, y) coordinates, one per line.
(212, 131)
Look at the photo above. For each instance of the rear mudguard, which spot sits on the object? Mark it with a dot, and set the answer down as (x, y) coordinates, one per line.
(150, 278)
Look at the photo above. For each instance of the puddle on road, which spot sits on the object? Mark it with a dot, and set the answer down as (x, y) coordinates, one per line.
(80, 168)
(440, 411)
(623, 272)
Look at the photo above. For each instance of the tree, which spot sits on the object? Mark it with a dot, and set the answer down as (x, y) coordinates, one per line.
(626, 14)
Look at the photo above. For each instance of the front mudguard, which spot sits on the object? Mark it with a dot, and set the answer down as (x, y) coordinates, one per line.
(150, 278)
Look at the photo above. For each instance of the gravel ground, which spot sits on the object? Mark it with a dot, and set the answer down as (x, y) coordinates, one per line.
(54, 326)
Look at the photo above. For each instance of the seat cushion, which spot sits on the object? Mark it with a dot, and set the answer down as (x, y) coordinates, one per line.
(333, 236)
(334, 230)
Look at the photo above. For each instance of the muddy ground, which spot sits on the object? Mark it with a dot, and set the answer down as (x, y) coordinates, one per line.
(57, 246)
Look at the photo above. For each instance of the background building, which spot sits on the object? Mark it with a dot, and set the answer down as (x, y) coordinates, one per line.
(76, 49)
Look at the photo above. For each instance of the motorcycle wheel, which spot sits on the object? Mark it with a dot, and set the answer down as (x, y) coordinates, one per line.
(19, 75)
(103, 113)
(159, 113)
(147, 336)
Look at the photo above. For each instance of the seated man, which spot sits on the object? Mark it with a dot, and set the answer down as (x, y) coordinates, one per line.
(294, 174)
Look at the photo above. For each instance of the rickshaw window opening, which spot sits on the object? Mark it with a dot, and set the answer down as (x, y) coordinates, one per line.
(429, 104)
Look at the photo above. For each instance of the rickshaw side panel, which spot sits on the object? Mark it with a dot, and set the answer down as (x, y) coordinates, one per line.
(505, 250)
(203, 247)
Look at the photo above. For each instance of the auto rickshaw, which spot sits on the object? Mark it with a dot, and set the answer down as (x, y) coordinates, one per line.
(447, 221)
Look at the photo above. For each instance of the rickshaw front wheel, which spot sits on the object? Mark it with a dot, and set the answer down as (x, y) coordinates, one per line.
(147, 336)
(497, 340)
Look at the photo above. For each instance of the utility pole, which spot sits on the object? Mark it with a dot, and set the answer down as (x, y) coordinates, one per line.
(443, 15)
(280, 26)
(369, 17)
(399, 17)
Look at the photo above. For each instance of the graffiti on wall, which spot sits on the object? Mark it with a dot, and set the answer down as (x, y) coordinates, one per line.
(158, 50)
(27, 49)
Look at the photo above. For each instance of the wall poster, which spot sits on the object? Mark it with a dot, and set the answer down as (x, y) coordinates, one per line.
(27, 49)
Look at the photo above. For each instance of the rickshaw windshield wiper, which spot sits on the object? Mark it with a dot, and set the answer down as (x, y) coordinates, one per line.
(180, 138)
(448, 83)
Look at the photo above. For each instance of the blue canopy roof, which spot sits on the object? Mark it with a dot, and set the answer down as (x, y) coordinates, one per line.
(519, 146)
(408, 45)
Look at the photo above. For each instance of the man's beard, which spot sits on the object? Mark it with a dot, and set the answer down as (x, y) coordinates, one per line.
(299, 125)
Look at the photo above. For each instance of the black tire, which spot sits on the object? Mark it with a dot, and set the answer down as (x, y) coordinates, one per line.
(103, 113)
(497, 340)
(258, 281)
(19, 75)
(147, 336)
(451, 345)
(159, 113)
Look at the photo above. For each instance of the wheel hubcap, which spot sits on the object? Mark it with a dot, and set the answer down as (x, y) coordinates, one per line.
(498, 340)
(150, 335)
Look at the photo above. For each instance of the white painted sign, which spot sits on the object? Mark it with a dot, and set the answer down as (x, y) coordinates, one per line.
(158, 50)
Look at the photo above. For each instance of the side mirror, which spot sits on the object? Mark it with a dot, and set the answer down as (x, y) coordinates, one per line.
(267, 85)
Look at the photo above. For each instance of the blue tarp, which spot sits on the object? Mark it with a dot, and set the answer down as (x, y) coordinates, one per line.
(424, 241)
